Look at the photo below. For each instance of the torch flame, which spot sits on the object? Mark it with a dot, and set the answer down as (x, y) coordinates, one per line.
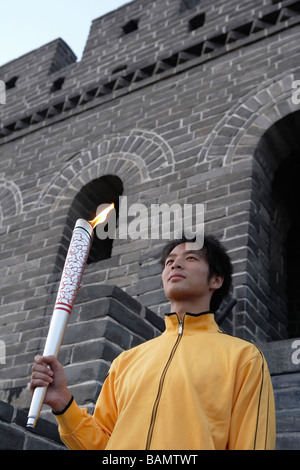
(101, 217)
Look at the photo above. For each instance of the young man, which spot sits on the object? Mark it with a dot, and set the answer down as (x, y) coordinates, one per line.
(193, 387)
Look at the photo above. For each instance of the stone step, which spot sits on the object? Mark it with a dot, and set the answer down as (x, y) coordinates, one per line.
(282, 359)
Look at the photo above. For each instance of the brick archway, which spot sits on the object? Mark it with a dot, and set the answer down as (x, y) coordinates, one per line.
(238, 133)
(11, 201)
(275, 225)
(134, 157)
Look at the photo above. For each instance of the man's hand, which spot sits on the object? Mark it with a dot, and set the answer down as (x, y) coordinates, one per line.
(48, 372)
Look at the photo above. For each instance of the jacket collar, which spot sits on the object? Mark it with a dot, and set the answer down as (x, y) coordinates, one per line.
(192, 322)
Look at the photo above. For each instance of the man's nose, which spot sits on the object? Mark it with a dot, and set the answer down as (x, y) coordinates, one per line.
(177, 264)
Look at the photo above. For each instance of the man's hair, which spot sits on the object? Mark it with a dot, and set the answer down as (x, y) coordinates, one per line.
(217, 259)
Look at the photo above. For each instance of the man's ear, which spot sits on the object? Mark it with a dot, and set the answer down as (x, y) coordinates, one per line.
(216, 282)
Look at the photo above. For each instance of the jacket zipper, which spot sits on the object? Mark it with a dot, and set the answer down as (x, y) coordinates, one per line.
(161, 384)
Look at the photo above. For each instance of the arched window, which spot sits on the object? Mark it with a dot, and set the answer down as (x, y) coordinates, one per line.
(286, 197)
(276, 182)
(105, 189)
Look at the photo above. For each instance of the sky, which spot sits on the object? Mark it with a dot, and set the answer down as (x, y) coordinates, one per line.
(26, 25)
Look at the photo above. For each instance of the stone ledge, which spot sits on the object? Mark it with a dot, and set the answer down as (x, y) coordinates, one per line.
(15, 436)
(281, 354)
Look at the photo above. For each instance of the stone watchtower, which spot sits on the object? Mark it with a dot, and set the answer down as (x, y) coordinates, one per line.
(186, 101)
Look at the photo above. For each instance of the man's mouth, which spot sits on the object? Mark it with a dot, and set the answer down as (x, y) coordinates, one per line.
(176, 276)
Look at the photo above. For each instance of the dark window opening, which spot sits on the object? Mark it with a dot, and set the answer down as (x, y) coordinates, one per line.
(131, 26)
(285, 189)
(277, 227)
(57, 85)
(293, 258)
(11, 83)
(105, 189)
(118, 69)
(197, 21)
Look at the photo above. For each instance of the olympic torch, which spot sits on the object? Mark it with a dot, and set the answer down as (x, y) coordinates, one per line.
(70, 282)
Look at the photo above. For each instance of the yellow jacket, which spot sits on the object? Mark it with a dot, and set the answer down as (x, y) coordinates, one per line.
(193, 387)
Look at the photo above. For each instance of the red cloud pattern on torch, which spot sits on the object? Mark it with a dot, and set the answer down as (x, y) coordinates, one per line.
(73, 270)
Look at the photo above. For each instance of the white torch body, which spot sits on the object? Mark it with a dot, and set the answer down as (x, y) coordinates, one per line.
(70, 282)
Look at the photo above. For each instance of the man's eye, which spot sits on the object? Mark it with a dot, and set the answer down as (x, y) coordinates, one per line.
(168, 262)
(191, 257)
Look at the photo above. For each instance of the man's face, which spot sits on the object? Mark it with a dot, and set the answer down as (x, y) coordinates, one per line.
(186, 274)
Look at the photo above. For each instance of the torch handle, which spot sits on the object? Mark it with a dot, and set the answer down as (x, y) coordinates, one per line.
(55, 336)
(36, 406)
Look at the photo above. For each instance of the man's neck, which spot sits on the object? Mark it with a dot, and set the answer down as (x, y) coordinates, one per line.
(181, 307)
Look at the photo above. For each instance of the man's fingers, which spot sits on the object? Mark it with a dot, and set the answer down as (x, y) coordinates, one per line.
(38, 359)
(41, 375)
(39, 380)
(45, 359)
(50, 361)
(42, 368)
(46, 362)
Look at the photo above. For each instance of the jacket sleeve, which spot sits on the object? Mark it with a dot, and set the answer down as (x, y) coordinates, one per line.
(81, 431)
(252, 424)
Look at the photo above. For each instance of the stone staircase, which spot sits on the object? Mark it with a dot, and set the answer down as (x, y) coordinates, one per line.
(287, 396)
(14, 436)
(282, 361)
